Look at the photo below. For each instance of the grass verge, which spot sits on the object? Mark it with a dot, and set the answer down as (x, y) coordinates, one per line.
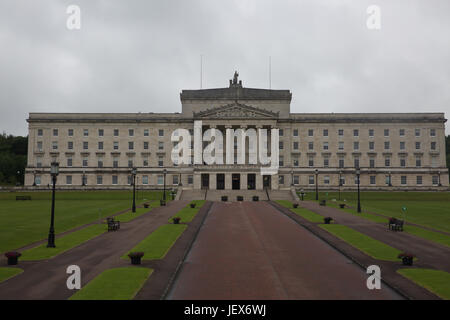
(435, 281)
(187, 214)
(304, 213)
(7, 273)
(366, 244)
(64, 243)
(128, 216)
(159, 242)
(114, 284)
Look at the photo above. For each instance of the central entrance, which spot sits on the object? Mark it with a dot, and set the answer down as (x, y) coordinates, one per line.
(220, 180)
(251, 181)
(266, 181)
(205, 181)
(236, 181)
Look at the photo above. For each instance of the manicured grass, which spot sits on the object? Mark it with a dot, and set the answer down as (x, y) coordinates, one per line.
(428, 235)
(159, 242)
(128, 216)
(6, 273)
(366, 244)
(25, 222)
(365, 215)
(435, 281)
(187, 214)
(114, 284)
(424, 208)
(64, 243)
(302, 212)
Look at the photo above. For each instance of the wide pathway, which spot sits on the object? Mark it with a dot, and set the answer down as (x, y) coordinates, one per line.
(249, 250)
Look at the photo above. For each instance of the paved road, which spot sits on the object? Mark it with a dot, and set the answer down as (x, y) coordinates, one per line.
(249, 250)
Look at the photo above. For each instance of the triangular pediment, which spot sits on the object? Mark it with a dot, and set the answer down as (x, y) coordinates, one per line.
(236, 111)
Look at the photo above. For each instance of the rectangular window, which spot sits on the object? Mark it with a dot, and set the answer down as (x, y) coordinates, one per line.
(402, 132)
(145, 162)
(403, 179)
(115, 180)
(310, 132)
(402, 145)
(295, 134)
(281, 132)
(295, 146)
(39, 146)
(161, 132)
(40, 132)
(372, 179)
(281, 145)
(55, 132)
(371, 145)
(100, 145)
(356, 162)
(372, 162)
(419, 180)
(417, 132)
(70, 132)
(70, 145)
(115, 162)
(146, 133)
(55, 145)
(325, 132)
(433, 145)
(190, 179)
(326, 179)
(356, 145)
(160, 145)
(99, 179)
(38, 180)
(68, 179)
(341, 162)
(434, 162)
(130, 180)
(86, 132)
(144, 179)
(131, 132)
(341, 145)
(130, 145)
(355, 132)
(160, 161)
(160, 179)
(85, 145)
(311, 145)
(387, 162)
(402, 162)
(116, 145)
(281, 161)
(325, 145)
(296, 180)
(130, 163)
(116, 132)
(386, 132)
(311, 161)
(326, 162)
(39, 162)
(417, 145)
(371, 132)
(100, 162)
(310, 179)
(85, 161)
(387, 145)
(418, 161)
(435, 180)
(432, 132)
(295, 161)
(341, 132)
(175, 179)
(281, 179)
(69, 162)
(100, 132)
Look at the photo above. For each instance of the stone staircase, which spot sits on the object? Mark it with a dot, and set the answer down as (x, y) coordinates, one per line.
(216, 195)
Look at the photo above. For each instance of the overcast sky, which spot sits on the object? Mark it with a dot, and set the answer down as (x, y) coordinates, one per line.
(137, 56)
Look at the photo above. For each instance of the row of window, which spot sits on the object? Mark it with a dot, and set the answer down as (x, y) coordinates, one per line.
(356, 132)
(372, 180)
(100, 132)
(356, 145)
(100, 145)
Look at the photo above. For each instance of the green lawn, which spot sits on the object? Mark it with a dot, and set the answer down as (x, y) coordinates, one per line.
(159, 242)
(304, 213)
(114, 284)
(430, 209)
(64, 243)
(435, 281)
(187, 213)
(366, 244)
(6, 273)
(128, 216)
(25, 222)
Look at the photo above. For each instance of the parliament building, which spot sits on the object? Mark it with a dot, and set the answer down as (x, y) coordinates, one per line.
(393, 151)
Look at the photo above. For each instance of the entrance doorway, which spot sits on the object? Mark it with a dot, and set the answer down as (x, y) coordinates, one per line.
(251, 181)
(266, 181)
(220, 181)
(205, 181)
(236, 181)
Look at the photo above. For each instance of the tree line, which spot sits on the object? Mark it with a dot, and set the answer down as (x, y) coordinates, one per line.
(13, 159)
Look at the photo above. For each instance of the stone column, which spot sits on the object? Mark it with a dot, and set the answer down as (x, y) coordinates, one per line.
(259, 181)
(274, 182)
(197, 181)
(213, 181)
(228, 183)
(244, 181)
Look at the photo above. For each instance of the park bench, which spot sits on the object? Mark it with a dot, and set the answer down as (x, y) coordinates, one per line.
(323, 202)
(395, 224)
(113, 225)
(23, 198)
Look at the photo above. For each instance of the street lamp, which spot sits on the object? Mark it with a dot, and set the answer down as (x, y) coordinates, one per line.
(164, 190)
(133, 172)
(18, 178)
(34, 178)
(340, 184)
(292, 177)
(439, 179)
(390, 179)
(83, 182)
(317, 184)
(54, 171)
(358, 173)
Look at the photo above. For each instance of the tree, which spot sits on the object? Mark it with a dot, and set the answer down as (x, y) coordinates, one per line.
(13, 158)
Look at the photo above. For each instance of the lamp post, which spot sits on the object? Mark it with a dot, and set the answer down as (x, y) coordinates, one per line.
(439, 179)
(54, 171)
(133, 172)
(164, 190)
(18, 178)
(292, 177)
(340, 184)
(390, 179)
(83, 179)
(358, 173)
(317, 184)
(34, 178)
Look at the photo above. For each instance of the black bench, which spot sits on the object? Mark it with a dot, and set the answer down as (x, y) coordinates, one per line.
(113, 225)
(396, 225)
(23, 198)
(322, 202)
